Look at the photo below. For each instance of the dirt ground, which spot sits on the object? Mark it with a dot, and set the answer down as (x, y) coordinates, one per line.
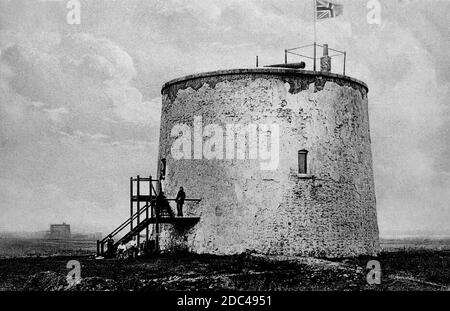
(401, 270)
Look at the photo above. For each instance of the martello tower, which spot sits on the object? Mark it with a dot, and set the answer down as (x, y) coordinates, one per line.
(320, 198)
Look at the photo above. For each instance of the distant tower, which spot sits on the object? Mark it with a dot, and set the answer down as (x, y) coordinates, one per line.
(318, 201)
(60, 231)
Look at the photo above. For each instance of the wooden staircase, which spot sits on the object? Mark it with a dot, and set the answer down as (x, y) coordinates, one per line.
(146, 216)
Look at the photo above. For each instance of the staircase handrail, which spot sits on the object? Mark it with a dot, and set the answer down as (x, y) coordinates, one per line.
(125, 223)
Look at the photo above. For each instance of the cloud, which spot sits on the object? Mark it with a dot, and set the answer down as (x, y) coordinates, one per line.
(69, 117)
(81, 69)
(56, 114)
(99, 57)
(129, 105)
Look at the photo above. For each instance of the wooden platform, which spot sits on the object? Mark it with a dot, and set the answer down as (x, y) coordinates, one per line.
(143, 198)
(148, 198)
(174, 220)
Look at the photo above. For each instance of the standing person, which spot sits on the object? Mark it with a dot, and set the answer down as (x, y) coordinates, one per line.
(162, 205)
(159, 203)
(110, 248)
(180, 201)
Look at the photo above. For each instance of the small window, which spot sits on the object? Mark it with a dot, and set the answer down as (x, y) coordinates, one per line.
(302, 161)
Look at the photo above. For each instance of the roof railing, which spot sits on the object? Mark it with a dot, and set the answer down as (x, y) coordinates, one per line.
(294, 51)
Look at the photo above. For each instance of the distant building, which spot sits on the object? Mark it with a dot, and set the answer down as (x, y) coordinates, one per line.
(97, 236)
(87, 236)
(60, 231)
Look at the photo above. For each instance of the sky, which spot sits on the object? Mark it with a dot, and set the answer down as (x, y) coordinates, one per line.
(80, 103)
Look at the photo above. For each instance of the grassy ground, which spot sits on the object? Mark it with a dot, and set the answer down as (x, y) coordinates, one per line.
(401, 270)
(20, 247)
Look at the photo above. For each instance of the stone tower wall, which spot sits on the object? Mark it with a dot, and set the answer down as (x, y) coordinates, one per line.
(329, 211)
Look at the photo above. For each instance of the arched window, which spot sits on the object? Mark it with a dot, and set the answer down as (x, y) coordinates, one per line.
(302, 161)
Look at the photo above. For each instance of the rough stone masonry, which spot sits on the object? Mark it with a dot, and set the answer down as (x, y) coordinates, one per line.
(329, 211)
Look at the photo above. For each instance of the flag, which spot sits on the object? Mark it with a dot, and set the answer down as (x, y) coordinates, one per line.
(325, 9)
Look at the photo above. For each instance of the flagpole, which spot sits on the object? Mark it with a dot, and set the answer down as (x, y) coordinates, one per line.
(315, 13)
